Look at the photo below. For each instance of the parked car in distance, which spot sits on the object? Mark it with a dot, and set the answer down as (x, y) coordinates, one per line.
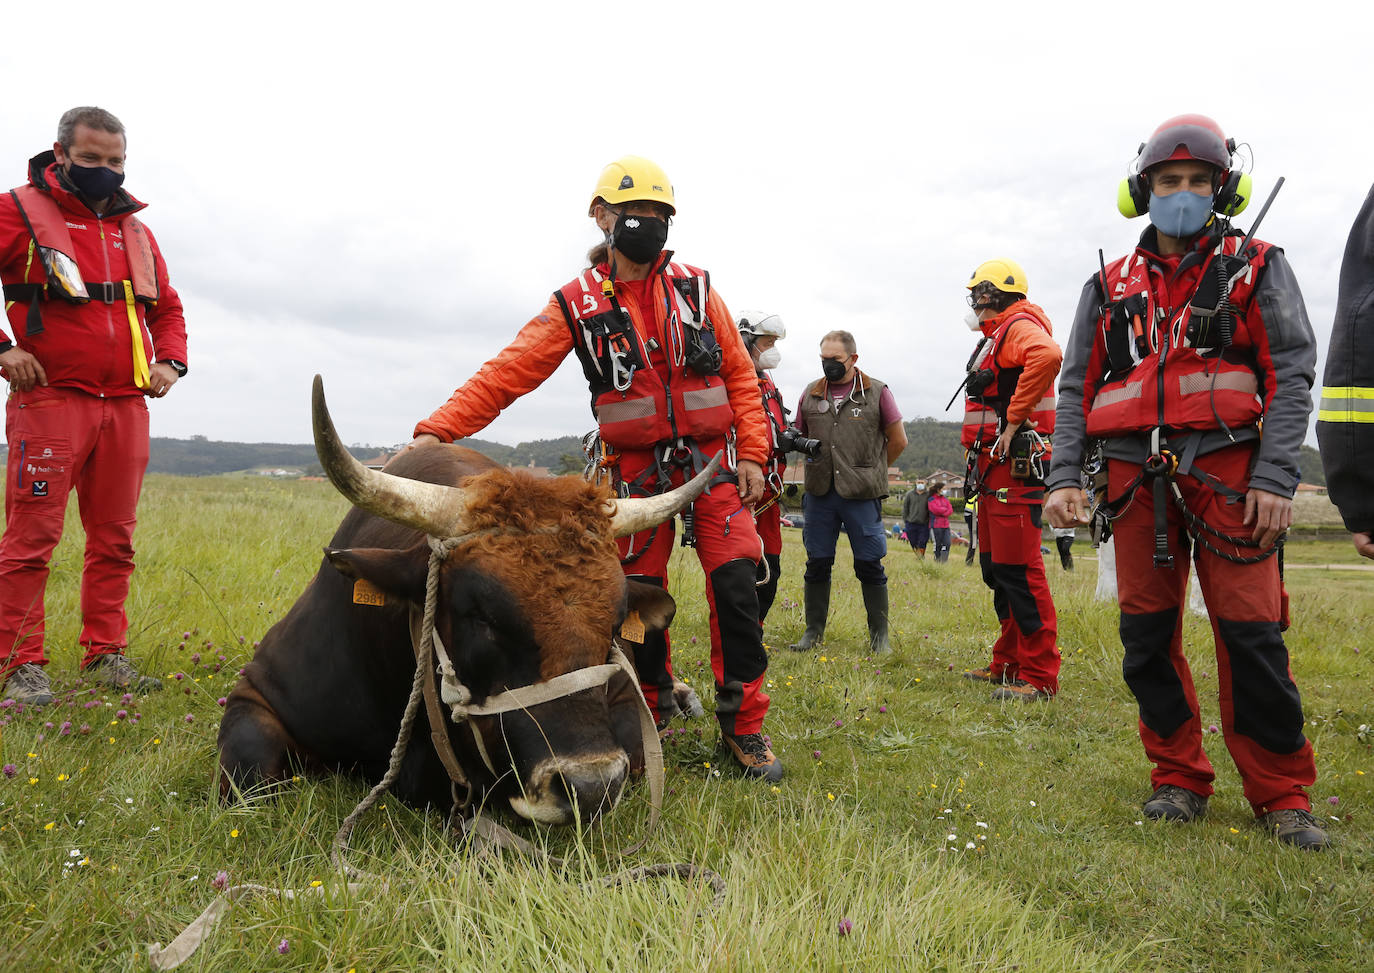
(792, 520)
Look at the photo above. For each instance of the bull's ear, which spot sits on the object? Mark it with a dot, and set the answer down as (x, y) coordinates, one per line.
(655, 606)
(399, 573)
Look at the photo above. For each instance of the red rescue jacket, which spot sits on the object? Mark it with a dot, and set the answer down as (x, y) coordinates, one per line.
(777, 422)
(1153, 367)
(1019, 360)
(85, 344)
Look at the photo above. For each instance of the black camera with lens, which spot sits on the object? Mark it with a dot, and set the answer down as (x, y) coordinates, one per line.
(792, 441)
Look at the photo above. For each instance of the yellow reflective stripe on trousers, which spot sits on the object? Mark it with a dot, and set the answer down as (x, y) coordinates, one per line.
(141, 379)
(1346, 403)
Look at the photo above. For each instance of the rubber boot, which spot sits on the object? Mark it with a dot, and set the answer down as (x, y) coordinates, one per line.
(816, 595)
(875, 604)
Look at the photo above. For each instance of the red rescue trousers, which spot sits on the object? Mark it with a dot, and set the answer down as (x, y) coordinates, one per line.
(1009, 554)
(768, 523)
(728, 548)
(59, 439)
(1261, 712)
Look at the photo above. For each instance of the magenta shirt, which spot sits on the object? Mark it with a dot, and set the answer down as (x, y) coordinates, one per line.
(888, 412)
(940, 508)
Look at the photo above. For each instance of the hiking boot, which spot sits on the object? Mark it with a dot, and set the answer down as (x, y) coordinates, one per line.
(986, 674)
(1296, 827)
(117, 672)
(28, 685)
(1173, 803)
(816, 599)
(752, 754)
(1022, 692)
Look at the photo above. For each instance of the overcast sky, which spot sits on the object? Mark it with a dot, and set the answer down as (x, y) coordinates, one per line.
(385, 192)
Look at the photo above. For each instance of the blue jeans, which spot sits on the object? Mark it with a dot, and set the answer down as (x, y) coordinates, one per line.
(862, 520)
(941, 543)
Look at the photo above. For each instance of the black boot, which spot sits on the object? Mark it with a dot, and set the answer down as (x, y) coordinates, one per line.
(816, 595)
(875, 604)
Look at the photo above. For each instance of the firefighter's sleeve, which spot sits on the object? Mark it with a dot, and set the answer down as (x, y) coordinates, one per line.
(741, 383)
(521, 367)
(14, 239)
(1287, 357)
(1345, 418)
(166, 319)
(1039, 357)
(1070, 422)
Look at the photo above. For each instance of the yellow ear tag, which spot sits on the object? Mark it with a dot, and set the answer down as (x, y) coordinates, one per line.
(632, 629)
(367, 593)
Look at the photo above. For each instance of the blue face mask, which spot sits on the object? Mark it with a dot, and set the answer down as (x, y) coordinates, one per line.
(1180, 214)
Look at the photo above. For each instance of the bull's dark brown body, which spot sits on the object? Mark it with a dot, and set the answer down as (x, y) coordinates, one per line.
(538, 593)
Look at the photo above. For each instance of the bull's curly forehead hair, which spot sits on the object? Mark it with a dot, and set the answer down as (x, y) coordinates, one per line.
(91, 117)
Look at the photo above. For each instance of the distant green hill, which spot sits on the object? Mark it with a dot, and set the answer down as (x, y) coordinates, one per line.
(932, 444)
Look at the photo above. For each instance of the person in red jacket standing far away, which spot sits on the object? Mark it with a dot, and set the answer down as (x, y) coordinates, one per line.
(1008, 419)
(671, 385)
(95, 329)
(1188, 381)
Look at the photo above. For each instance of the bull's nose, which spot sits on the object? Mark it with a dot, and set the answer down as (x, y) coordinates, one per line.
(563, 790)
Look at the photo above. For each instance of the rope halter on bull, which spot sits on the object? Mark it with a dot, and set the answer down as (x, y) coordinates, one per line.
(440, 511)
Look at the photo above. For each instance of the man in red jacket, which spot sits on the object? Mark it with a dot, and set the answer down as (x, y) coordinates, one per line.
(1008, 419)
(1191, 362)
(95, 326)
(671, 384)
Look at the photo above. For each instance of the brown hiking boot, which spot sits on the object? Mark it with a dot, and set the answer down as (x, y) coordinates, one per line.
(1296, 827)
(985, 674)
(1172, 803)
(117, 672)
(29, 685)
(1022, 692)
(752, 754)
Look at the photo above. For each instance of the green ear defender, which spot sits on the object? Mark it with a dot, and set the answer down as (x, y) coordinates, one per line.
(1234, 194)
(1129, 202)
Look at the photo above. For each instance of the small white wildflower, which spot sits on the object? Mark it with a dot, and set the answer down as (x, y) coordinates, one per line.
(953, 837)
(970, 846)
(980, 824)
(74, 853)
(130, 800)
(1033, 804)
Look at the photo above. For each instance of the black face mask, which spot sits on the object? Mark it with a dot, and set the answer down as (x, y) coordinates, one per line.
(95, 182)
(640, 238)
(834, 370)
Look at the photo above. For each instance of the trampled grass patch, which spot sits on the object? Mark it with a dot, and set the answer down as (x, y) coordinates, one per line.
(920, 825)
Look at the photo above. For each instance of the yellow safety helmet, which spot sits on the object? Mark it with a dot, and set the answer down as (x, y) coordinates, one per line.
(632, 178)
(1006, 275)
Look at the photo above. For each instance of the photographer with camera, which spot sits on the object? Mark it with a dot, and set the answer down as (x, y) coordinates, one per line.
(1008, 417)
(761, 331)
(854, 419)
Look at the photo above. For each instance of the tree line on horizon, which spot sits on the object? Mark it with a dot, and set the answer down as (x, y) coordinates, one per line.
(932, 444)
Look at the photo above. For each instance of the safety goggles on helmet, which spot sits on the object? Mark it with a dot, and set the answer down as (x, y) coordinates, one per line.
(760, 323)
(1187, 137)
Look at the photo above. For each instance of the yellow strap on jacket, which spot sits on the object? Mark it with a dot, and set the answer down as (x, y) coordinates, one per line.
(141, 379)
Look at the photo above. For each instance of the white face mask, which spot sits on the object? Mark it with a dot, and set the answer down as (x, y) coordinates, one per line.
(771, 358)
(971, 320)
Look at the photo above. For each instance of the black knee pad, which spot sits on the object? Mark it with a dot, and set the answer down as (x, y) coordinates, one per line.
(1149, 672)
(737, 615)
(870, 572)
(1267, 706)
(818, 569)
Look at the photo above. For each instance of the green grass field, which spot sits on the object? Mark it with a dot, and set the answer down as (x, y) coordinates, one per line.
(949, 832)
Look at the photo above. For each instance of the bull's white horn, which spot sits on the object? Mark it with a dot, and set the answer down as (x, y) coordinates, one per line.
(640, 513)
(433, 508)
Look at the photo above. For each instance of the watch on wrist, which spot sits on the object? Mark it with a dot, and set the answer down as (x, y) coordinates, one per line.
(178, 367)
